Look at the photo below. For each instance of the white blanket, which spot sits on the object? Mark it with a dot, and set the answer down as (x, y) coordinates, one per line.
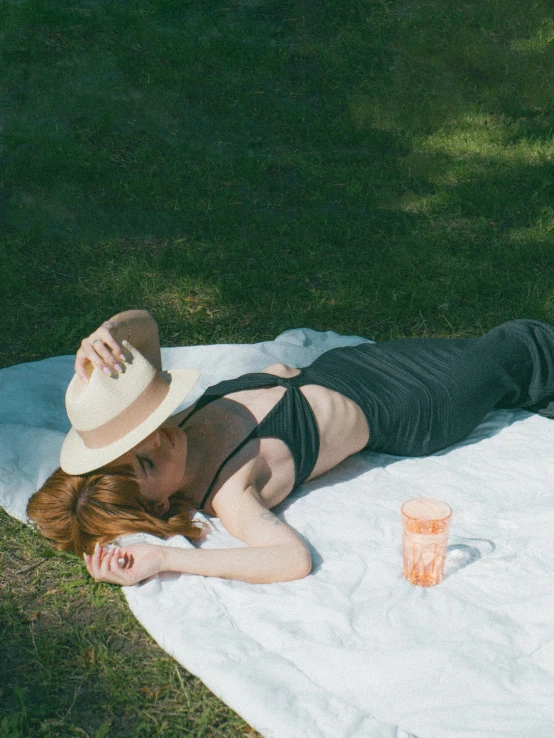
(353, 650)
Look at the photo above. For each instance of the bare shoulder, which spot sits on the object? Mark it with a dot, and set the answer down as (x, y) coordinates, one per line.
(281, 370)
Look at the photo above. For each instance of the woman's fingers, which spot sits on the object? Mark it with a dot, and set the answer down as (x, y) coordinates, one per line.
(102, 351)
(103, 565)
(103, 338)
(96, 561)
(104, 345)
(112, 566)
(124, 566)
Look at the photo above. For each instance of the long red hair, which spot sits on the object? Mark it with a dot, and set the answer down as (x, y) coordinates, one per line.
(74, 512)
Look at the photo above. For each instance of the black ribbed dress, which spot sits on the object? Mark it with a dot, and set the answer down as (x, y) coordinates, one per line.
(419, 395)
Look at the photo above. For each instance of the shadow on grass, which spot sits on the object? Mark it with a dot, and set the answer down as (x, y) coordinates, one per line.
(356, 167)
(41, 693)
(74, 661)
(340, 167)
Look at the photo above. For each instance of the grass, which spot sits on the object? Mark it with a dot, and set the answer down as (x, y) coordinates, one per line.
(74, 661)
(381, 167)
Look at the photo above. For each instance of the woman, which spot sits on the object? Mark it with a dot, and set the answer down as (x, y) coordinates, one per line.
(246, 443)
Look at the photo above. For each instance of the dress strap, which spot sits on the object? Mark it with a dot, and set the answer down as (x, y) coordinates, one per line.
(226, 387)
(220, 467)
(291, 420)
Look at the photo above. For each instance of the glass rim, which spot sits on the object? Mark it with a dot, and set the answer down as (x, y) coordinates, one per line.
(434, 499)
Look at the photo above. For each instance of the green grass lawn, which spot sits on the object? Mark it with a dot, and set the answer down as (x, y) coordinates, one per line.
(238, 168)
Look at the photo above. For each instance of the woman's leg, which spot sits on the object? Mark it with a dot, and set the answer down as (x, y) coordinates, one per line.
(430, 393)
(525, 348)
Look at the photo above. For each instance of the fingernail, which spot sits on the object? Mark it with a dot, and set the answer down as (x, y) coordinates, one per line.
(122, 357)
(106, 370)
(85, 557)
(118, 367)
(96, 546)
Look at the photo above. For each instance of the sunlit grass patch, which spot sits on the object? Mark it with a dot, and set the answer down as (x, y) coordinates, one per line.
(539, 41)
(470, 134)
(494, 138)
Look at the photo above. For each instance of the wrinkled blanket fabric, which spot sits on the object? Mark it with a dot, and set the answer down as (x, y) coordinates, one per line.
(353, 650)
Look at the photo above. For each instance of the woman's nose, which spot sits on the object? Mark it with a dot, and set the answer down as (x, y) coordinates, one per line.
(152, 441)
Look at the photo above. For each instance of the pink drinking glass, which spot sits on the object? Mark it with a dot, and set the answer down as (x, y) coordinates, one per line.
(425, 523)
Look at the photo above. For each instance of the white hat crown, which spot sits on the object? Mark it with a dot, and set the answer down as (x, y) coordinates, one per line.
(91, 405)
(110, 414)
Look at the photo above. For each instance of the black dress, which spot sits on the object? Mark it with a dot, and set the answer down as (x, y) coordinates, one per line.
(419, 395)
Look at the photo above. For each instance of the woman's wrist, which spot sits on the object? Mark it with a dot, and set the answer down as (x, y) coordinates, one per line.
(164, 559)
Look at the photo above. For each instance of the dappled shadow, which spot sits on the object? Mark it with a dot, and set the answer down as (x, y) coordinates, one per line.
(29, 689)
(75, 661)
(367, 169)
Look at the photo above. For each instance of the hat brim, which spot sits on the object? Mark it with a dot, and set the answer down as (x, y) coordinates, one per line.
(76, 458)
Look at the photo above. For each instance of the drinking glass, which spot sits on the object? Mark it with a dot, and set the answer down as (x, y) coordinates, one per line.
(425, 523)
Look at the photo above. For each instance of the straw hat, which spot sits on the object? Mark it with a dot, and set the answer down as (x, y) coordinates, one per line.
(111, 414)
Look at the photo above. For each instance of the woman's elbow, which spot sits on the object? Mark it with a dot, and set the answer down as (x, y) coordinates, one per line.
(303, 563)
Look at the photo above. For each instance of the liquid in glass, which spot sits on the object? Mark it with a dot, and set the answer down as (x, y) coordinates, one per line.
(426, 524)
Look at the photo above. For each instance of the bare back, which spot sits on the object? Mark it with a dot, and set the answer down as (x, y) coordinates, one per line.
(266, 464)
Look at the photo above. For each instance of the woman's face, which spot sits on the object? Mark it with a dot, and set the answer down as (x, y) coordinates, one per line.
(159, 464)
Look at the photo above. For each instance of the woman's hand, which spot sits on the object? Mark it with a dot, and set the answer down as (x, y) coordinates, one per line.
(104, 347)
(102, 350)
(125, 565)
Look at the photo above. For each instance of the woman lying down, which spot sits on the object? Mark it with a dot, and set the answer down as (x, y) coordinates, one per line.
(130, 465)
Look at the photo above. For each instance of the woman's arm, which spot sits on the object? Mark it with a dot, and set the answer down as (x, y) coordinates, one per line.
(128, 565)
(274, 553)
(103, 347)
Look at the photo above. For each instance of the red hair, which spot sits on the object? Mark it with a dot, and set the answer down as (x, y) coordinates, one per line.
(74, 512)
